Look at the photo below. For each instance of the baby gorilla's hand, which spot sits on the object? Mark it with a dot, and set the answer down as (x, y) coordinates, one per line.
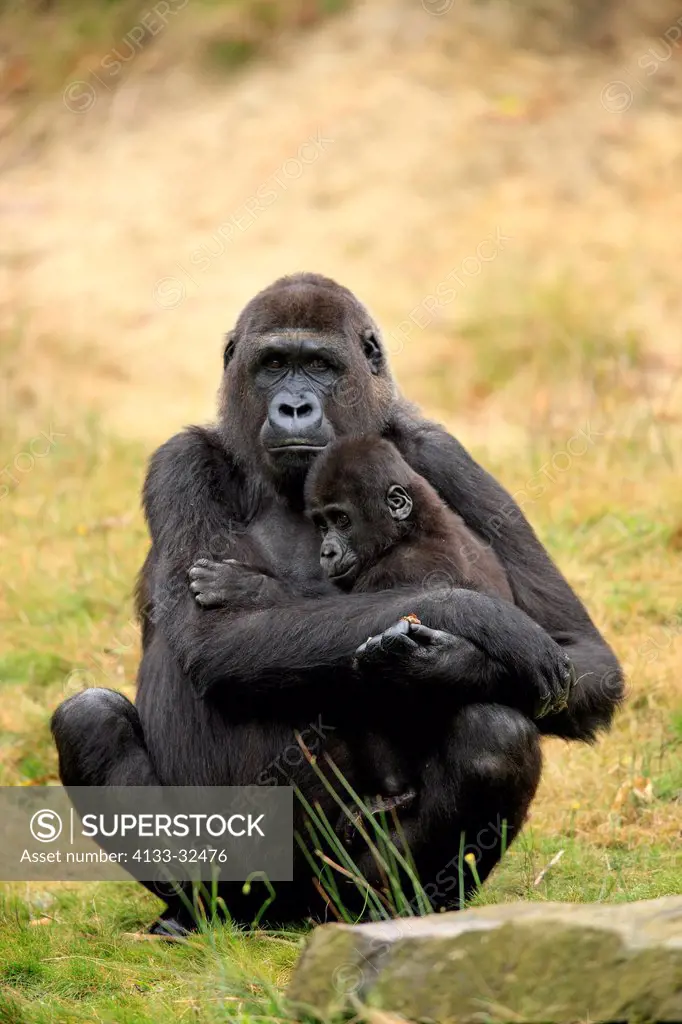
(230, 584)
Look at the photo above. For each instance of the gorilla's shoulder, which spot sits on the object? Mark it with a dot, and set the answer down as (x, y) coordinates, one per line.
(192, 466)
(192, 448)
(419, 438)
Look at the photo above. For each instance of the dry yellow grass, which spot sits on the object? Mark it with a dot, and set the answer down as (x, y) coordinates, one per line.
(436, 136)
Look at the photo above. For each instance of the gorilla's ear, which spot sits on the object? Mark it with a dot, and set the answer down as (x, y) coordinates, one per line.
(399, 502)
(228, 351)
(372, 350)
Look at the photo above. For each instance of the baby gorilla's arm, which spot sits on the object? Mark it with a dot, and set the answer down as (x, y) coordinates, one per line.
(231, 584)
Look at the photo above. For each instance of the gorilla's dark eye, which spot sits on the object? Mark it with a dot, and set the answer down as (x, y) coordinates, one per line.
(342, 520)
(318, 363)
(273, 363)
(320, 522)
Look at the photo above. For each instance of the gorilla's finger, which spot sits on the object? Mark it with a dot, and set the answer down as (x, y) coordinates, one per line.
(196, 573)
(397, 643)
(393, 642)
(209, 599)
(401, 628)
(425, 634)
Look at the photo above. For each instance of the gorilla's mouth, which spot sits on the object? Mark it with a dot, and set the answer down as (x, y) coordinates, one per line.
(295, 445)
(335, 577)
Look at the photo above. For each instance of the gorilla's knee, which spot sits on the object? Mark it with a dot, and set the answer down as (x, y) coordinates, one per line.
(503, 745)
(92, 730)
(93, 708)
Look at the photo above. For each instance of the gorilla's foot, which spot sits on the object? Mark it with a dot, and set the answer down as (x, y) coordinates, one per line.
(348, 826)
(174, 923)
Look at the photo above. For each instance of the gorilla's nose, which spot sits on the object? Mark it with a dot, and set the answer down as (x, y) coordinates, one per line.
(329, 550)
(296, 414)
(330, 556)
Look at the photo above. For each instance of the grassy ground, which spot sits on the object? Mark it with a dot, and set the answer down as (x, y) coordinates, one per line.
(561, 363)
(72, 538)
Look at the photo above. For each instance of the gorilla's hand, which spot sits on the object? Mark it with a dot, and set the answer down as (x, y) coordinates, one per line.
(231, 584)
(541, 661)
(416, 651)
(410, 645)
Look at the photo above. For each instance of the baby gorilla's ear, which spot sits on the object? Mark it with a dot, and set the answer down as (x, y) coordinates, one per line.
(399, 502)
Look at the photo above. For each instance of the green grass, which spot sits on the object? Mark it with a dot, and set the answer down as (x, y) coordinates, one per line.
(616, 873)
(84, 966)
(72, 538)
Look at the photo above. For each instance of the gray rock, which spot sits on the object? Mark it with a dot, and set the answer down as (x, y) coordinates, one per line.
(556, 962)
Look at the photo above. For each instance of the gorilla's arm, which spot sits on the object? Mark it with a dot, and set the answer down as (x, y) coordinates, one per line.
(538, 586)
(193, 496)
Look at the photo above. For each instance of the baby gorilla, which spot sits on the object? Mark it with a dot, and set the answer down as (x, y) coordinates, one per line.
(383, 526)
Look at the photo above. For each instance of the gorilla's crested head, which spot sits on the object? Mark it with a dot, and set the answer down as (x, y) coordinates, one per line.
(304, 365)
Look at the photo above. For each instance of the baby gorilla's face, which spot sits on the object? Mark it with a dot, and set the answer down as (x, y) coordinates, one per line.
(338, 551)
(354, 539)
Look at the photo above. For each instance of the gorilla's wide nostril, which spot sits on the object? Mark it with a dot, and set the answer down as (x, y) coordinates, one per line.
(299, 412)
(296, 415)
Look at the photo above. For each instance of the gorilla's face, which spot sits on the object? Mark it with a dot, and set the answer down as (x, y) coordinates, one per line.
(303, 367)
(297, 374)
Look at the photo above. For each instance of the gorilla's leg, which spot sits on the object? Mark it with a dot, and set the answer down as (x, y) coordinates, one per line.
(473, 798)
(476, 798)
(100, 743)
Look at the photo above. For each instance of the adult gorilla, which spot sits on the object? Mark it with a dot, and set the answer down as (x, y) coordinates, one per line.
(221, 690)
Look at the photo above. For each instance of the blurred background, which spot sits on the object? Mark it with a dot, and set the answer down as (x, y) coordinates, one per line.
(500, 182)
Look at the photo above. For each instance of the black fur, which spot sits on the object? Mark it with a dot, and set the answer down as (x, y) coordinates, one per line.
(221, 690)
(391, 546)
(384, 527)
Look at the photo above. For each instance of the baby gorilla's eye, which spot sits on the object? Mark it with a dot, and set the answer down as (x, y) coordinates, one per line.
(342, 520)
(319, 523)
